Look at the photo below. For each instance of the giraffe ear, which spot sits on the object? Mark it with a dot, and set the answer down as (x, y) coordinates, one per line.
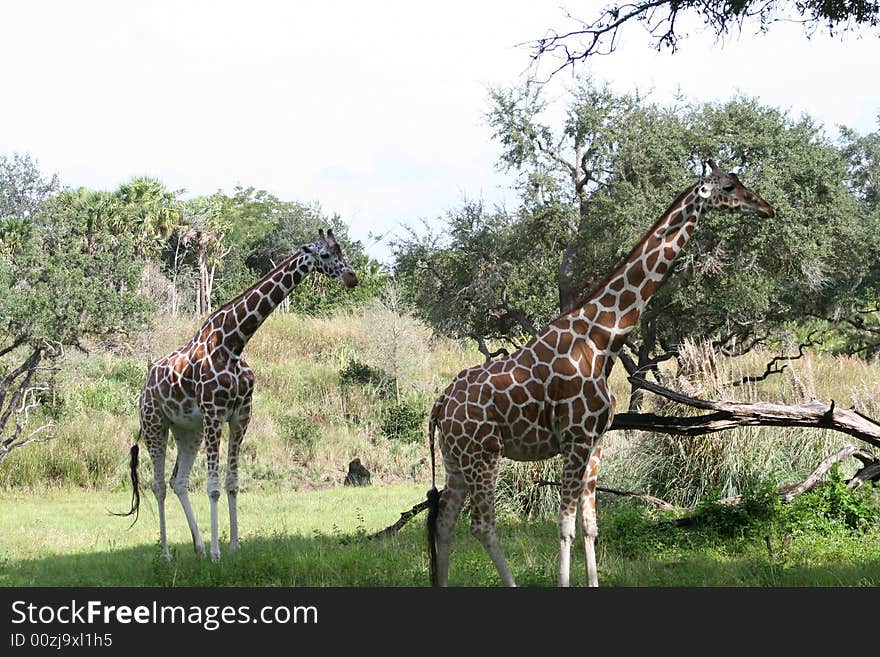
(704, 191)
(307, 249)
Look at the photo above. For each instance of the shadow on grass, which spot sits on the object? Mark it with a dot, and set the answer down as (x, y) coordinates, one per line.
(531, 547)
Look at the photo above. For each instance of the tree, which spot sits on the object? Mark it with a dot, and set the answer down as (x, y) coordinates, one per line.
(150, 211)
(23, 187)
(662, 20)
(63, 277)
(202, 233)
(591, 187)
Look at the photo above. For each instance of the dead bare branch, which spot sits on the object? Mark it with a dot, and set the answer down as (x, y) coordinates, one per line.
(731, 414)
(771, 366)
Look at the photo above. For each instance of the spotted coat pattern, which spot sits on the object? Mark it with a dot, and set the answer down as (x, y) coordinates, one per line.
(552, 396)
(206, 383)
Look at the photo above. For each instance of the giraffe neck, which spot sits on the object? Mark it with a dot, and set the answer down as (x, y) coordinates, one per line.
(617, 303)
(240, 318)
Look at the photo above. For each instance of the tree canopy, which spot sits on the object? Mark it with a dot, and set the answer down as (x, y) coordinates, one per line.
(591, 186)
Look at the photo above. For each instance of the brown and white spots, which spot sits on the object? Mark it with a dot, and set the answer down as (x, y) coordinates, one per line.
(551, 397)
(207, 383)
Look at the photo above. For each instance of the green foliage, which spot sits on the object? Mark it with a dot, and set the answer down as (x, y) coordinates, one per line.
(404, 420)
(833, 504)
(68, 275)
(759, 504)
(593, 184)
(518, 493)
(358, 373)
(301, 433)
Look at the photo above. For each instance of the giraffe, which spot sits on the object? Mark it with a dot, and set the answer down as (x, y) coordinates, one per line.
(552, 396)
(207, 383)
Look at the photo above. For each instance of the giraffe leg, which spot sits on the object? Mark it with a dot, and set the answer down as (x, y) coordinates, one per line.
(237, 427)
(573, 469)
(187, 448)
(588, 517)
(212, 430)
(483, 513)
(451, 501)
(156, 439)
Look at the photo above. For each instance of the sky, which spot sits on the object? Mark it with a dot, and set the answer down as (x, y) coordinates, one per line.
(374, 110)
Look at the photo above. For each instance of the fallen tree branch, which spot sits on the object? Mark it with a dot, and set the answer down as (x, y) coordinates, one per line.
(732, 414)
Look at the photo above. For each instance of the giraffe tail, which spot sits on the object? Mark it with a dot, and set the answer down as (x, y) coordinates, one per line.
(433, 506)
(135, 491)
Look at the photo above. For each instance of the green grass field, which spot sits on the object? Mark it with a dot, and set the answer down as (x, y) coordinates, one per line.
(318, 405)
(289, 538)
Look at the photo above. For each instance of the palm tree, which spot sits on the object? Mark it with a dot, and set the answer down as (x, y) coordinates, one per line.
(150, 210)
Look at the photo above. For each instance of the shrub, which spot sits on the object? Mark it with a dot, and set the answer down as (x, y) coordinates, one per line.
(300, 433)
(759, 504)
(403, 420)
(357, 373)
(835, 504)
(518, 493)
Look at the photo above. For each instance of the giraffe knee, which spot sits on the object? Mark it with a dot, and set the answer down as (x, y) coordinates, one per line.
(214, 492)
(480, 529)
(591, 529)
(179, 486)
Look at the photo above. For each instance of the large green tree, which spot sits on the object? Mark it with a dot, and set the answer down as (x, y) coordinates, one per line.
(64, 275)
(591, 186)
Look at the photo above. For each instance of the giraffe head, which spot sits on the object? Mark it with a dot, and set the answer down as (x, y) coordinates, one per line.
(329, 259)
(725, 191)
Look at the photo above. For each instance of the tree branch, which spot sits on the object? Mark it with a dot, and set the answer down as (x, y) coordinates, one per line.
(771, 366)
(732, 414)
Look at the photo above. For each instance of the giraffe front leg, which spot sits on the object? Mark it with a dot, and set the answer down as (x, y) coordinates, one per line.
(212, 429)
(237, 428)
(588, 517)
(573, 469)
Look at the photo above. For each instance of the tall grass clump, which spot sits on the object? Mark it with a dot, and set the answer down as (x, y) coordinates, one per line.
(683, 470)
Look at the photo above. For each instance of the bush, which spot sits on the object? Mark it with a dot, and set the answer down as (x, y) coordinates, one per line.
(759, 505)
(358, 373)
(300, 433)
(403, 420)
(832, 503)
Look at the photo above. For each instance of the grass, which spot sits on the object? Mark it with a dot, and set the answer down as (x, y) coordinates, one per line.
(66, 538)
(312, 415)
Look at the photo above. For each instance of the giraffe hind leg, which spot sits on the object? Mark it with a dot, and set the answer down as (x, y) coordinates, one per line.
(451, 500)
(483, 513)
(589, 524)
(156, 439)
(187, 448)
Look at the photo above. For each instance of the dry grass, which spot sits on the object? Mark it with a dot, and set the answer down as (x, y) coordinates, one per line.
(298, 362)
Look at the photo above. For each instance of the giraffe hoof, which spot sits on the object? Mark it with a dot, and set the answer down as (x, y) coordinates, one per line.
(215, 557)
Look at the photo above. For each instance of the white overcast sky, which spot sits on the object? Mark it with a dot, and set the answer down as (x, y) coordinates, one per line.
(373, 109)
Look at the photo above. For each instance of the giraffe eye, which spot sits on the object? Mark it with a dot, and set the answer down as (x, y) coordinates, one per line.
(728, 188)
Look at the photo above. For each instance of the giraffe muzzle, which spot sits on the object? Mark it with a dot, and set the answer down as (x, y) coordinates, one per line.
(350, 279)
